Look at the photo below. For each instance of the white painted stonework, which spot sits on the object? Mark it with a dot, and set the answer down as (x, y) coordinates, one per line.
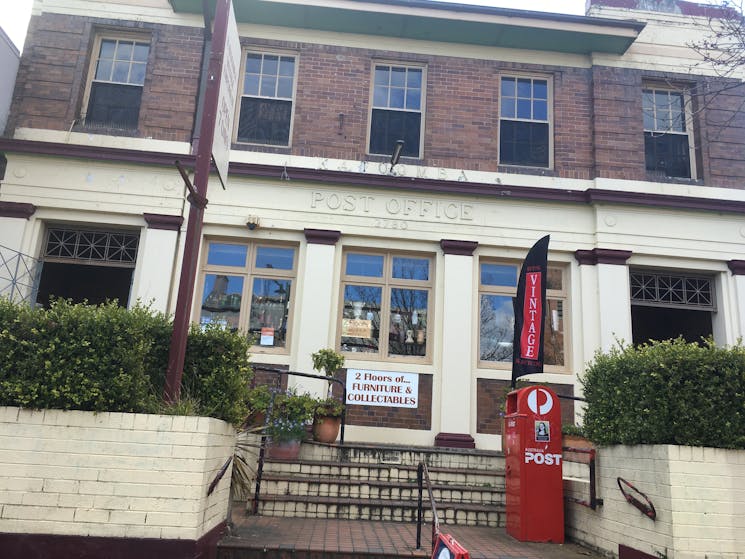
(697, 492)
(112, 474)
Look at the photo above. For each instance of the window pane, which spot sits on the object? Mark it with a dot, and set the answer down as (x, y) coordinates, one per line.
(524, 108)
(413, 99)
(508, 87)
(496, 328)
(414, 79)
(121, 72)
(540, 110)
(499, 274)
(397, 98)
(554, 279)
(540, 89)
(407, 334)
(221, 300)
(271, 65)
(270, 303)
(253, 63)
(368, 265)
(508, 107)
(268, 86)
(287, 66)
(114, 105)
(141, 52)
(251, 84)
(275, 257)
(137, 74)
(221, 254)
(124, 50)
(103, 71)
(380, 96)
(411, 268)
(398, 76)
(107, 49)
(381, 75)
(284, 88)
(388, 126)
(553, 343)
(360, 327)
(524, 88)
(523, 143)
(264, 121)
(667, 154)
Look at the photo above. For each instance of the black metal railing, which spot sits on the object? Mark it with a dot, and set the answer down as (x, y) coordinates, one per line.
(594, 502)
(422, 479)
(267, 417)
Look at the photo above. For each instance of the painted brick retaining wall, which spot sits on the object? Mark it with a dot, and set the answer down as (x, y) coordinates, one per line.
(698, 493)
(111, 475)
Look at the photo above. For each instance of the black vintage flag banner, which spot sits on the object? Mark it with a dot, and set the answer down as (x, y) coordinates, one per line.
(530, 310)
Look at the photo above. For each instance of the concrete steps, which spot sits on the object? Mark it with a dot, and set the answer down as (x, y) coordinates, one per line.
(365, 482)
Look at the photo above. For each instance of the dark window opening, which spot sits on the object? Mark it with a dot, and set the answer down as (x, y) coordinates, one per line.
(667, 154)
(84, 282)
(114, 106)
(523, 143)
(265, 121)
(663, 323)
(388, 126)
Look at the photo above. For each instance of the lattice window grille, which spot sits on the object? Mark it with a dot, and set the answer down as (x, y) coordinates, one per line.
(99, 246)
(672, 290)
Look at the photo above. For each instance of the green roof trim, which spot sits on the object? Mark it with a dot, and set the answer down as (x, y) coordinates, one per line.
(385, 18)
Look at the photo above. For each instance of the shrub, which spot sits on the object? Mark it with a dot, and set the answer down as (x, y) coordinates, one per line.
(108, 358)
(669, 392)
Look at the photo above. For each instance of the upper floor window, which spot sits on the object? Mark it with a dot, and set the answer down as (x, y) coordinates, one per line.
(386, 302)
(668, 140)
(266, 102)
(249, 287)
(497, 287)
(524, 122)
(398, 99)
(114, 91)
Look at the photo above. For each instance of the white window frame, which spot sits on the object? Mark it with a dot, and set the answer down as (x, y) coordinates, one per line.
(422, 104)
(241, 93)
(549, 117)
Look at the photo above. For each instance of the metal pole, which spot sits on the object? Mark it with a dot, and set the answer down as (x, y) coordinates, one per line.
(198, 202)
(419, 479)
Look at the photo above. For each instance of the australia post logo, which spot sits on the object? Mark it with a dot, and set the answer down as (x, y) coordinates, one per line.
(535, 456)
(540, 401)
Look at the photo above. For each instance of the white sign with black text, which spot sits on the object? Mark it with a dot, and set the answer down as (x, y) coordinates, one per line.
(382, 388)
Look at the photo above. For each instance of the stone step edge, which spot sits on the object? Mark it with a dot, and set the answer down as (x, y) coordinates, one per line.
(432, 470)
(348, 501)
(293, 478)
(352, 445)
(240, 547)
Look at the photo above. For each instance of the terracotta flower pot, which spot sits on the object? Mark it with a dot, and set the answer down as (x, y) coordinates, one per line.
(285, 450)
(326, 429)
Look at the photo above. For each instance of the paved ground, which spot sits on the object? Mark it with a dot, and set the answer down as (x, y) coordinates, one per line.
(313, 537)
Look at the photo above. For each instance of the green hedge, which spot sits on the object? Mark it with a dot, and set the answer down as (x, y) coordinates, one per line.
(669, 392)
(107, 358)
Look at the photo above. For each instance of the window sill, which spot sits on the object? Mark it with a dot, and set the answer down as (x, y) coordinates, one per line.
(88, 128)
(244, 146)
(520, 170)
(656, 177)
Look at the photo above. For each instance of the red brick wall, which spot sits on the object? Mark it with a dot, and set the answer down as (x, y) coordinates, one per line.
(492, 395)
(598, 128)
(382, 416)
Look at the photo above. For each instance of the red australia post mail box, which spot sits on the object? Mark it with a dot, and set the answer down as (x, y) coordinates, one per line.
(534, 490)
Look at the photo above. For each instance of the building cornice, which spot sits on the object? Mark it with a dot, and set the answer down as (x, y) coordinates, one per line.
(590, 196)
(602, 256)
(17, 209)
(460, 248)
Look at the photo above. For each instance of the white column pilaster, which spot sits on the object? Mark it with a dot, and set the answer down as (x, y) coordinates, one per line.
(156, 261)
(14, 218)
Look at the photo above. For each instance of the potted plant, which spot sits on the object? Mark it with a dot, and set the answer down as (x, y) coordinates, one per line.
(327, 361)
(258, 401)
(327, 419)
(286, 427)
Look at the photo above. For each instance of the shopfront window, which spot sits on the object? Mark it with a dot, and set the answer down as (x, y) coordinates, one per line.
(497, 288)
(248, 287)
(386, 305)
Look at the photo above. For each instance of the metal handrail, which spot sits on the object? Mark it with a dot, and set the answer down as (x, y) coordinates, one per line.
(262, 447)
(422, 475)
(594, 502)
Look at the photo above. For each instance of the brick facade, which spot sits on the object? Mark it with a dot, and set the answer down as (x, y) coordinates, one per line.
(597, 124)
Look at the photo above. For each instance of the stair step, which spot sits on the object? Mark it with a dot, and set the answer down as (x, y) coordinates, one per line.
(378, 509)
(298, 485)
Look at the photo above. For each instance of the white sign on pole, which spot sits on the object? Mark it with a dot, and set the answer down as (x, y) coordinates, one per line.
(227, 97)
(382, 388)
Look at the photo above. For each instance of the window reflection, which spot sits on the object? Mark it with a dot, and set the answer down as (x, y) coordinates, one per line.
(407, 333)
(270, 303)
(361, 319)
(221, 303)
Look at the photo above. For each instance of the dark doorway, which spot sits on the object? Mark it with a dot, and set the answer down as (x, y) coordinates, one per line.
(80, 282)
(662, 323)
